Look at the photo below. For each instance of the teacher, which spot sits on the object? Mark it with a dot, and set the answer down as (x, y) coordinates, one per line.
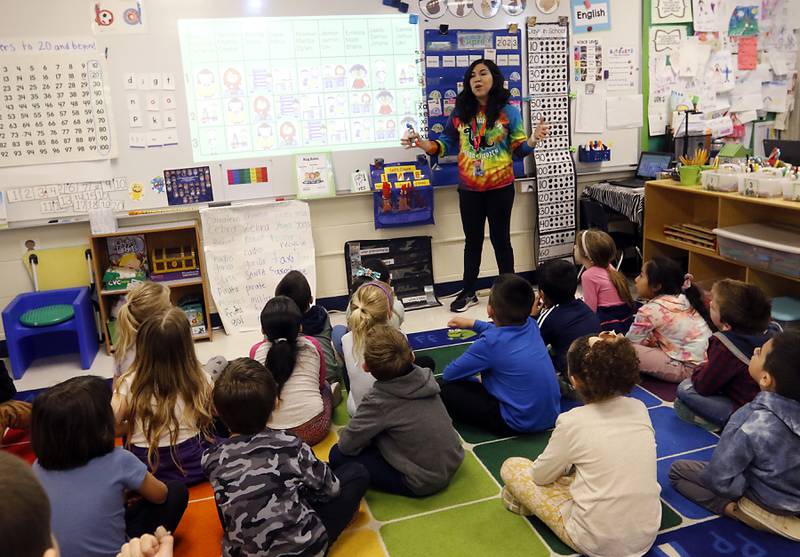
(486, 132)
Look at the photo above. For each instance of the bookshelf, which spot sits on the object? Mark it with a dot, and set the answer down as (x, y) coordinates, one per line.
(667, 203)
(163, 235)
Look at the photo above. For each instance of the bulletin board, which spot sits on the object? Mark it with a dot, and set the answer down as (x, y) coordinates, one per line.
(145, 92)
(447, 56)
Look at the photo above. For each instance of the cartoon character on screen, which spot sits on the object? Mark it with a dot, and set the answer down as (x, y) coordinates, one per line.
(103, 18)
(262, 108)
(235, 111)
(265, 137)
(205, 83)
(232, 80)
(288, 134)
(380, 74)
(358, 72)
(339, 75)
(385, 99)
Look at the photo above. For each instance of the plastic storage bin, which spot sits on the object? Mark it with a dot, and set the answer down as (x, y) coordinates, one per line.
(727, 178)
(765, 246)
(791, 190)
(763, 184)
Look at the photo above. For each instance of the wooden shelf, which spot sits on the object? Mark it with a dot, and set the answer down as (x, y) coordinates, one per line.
(188, 233)
(177, 283)
(667, 202)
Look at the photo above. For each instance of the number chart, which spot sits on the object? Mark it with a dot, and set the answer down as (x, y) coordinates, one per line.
(54, 109)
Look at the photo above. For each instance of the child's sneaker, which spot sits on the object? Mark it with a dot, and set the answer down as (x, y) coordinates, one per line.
(512, 503)
(463, 302)
(786, 526)
(686, 414)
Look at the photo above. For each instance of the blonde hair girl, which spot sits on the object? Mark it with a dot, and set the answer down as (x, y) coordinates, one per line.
(165, 398)
(605, 290)
(370, 305)
(144, 300)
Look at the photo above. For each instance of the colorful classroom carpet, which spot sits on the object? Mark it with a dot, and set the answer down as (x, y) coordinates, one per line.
(468, 518)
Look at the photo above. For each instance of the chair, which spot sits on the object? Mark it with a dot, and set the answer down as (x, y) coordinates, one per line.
(66, 326)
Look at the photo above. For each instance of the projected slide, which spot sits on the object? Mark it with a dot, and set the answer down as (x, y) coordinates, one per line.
(277, 86)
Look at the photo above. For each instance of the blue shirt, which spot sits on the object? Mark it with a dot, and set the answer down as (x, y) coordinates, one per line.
(562, 324)
(515, 368)
(88, 502)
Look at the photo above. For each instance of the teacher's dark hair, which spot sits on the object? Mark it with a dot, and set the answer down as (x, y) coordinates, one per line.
(466, 103)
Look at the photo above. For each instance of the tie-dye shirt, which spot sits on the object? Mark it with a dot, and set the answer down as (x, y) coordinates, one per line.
(494, 155)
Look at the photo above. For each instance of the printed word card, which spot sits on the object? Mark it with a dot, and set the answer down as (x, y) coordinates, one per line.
(54, 109)
(72, 198)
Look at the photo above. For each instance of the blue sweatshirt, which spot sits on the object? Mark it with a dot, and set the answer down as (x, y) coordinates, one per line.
(758, 454)
(516, 369)
(563, 323)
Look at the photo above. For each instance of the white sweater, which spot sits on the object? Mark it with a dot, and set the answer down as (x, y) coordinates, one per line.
(611, 444)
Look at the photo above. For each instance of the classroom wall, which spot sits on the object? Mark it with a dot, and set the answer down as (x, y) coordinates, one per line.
(334, 222)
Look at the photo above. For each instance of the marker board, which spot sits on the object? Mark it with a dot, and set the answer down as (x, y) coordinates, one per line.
(151, 58)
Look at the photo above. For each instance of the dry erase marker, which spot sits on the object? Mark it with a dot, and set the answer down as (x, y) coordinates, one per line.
(410, 127)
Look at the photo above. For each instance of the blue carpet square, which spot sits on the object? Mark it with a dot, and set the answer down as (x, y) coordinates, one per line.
(674, 436)
(647, 399)
(675, 499)
(718, 537)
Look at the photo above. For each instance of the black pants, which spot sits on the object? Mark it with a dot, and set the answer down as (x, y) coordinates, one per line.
(143, 517)
(337, 513)
(476, 207)
(469, 403)
(382, 475)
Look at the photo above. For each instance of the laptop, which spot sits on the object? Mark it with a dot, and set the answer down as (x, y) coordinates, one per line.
(650, 164)
(790, 150)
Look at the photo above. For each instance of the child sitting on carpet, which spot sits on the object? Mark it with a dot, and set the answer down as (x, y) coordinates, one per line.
(298, 367)
(561, 317)
(595, 484)
(24, 511)
(165, 398)
(721, 385)
(315, 323)
(274, 497)
(370, 305)
(517, 391)
(144, 300)
(401, 432)
(88, 479)
(605, 290)
(670, 332)
(754, 473)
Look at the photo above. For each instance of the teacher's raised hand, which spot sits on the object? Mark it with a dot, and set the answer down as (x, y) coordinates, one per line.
(412, 139)
(541, 131)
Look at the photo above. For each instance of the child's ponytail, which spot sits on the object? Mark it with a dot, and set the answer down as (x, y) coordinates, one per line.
(599, 248)
(697, 299)
(370, 305)
(666, 273)
(280, 323)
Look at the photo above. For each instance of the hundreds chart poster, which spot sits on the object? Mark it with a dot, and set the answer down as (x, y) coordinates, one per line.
(277, 86)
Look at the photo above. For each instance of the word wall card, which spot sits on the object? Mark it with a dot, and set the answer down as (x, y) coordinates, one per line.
(55, 108)
(72, 198)
(556, 180)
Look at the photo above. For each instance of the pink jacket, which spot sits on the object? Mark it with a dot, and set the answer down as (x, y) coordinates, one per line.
(673, 325)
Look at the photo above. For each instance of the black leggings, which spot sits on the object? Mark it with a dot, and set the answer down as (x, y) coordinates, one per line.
(476, 207)
(337, 513)
(469, 403)
(143, 517)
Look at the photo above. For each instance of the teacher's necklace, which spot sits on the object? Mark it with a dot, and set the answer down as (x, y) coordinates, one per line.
(477, 136)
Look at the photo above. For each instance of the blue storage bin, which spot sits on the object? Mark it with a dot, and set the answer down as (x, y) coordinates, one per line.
(594, 155)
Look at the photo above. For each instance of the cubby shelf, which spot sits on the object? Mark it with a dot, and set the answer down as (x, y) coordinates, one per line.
(667, 202)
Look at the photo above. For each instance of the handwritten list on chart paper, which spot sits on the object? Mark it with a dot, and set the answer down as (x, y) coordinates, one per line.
(249, 248)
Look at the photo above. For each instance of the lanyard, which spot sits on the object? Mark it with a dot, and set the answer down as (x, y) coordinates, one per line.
(476, 137)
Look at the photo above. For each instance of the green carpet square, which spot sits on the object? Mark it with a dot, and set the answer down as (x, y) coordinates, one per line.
(443, 355)
(339, 415)
(494, 454)
(484, 528)
(470, 483)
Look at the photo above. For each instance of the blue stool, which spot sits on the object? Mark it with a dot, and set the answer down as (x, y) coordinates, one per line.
(75, 334)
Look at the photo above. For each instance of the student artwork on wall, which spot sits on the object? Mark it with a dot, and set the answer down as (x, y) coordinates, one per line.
(280, 86)
(117, 16)
(548, 84)
(517, 7)
(459, 8)
(486, 8)
(547, 6)
(433, 9)
(670, 11)
(707, 15)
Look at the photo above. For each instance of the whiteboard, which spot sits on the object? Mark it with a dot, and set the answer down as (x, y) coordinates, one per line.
(156, 53)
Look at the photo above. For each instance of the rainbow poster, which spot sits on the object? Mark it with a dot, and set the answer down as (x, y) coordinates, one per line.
(240, 176)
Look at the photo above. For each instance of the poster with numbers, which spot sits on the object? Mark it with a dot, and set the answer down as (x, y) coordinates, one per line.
(556, 180)
(55, 108)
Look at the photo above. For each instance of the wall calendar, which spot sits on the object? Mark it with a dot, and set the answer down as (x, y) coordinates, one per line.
(54, 109)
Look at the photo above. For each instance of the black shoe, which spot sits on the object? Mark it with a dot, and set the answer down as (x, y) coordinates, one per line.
(463, 301)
